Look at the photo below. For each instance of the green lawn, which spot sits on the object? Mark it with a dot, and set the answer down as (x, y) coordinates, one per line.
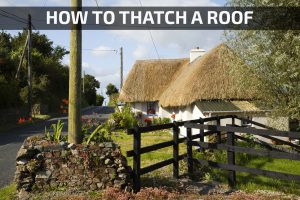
(245, 181)
(160, 175)
(126, 143)
(7, 192)
(250, 182)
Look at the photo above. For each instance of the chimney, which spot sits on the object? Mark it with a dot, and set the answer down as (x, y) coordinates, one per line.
(196, 53)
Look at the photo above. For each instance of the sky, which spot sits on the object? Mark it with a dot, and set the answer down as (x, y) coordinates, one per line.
(137, 45)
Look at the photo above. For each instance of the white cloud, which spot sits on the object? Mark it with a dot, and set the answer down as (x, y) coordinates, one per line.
(174, 41)
(171, 40)
(141, 52)
(85, 65)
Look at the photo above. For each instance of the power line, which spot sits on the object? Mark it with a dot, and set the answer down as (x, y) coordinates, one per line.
(112, 50)
(45, 2)
(25, 20)
(10, 3)
(151, 36)
(7, 16)
(96, 1)
(15, 18)
(87, 49)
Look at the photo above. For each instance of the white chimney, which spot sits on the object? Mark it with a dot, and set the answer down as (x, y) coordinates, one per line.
(196, 53)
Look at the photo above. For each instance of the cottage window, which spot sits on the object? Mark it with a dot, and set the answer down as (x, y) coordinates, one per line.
(151, 108)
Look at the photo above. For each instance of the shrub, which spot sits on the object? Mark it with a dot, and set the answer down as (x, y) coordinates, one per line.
(123, 118)
(100, 134)
(159, 120)
(148, 121)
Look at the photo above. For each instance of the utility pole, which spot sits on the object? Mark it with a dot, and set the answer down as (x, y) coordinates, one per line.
(29, 66)
(83, 82)
(22, 57)
(74, 120)
(121, 54)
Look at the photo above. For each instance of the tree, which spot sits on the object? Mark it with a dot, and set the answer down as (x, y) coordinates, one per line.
(49, 75)
(90, 88)
(111, 89)
(7, 67)
(272, 60)
(100, 100)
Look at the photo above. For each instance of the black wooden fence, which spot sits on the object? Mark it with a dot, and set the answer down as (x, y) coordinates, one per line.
(206, 130)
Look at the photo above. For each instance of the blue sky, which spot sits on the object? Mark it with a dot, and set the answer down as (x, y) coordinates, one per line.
(137, 45)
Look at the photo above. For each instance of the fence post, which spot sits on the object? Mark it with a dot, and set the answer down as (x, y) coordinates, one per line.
(219, 132)
(189, 150)
(175, 151)
(231, 160)
(136, 160)
(201, 131)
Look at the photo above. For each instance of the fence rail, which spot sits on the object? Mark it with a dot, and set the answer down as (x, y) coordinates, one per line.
(206, 130)
(231, 149)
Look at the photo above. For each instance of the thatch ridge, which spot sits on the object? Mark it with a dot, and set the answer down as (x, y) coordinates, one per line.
(207, 78)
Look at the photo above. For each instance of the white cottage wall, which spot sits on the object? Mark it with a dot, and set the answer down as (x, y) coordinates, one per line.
(139, 107)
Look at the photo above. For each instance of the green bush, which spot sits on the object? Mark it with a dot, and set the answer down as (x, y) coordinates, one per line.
(123, 118)
(159, 120)
(100, 134)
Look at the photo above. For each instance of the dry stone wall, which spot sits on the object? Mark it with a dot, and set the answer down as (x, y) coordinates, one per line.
(42, 165)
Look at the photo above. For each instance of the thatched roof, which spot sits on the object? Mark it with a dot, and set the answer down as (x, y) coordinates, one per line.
(148, 79)
(206, 78)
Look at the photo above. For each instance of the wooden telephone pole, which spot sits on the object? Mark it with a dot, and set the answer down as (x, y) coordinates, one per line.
(121, 54)
(83, 83)
(29, 66)
(74, 120)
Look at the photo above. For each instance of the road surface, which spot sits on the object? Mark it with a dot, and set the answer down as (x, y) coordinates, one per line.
(11, 141)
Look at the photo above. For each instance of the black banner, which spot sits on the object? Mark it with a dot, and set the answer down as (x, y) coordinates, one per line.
(153, 18)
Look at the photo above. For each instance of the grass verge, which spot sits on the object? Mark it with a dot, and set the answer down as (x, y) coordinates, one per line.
(8, 192)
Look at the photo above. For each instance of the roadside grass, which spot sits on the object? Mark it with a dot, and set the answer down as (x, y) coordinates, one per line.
(245, 181)
(8, 192)
(42, 117)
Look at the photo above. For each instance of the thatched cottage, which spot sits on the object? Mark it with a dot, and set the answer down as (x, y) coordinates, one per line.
(199, 86)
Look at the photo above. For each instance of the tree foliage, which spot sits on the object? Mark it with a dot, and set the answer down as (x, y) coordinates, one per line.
(111, 89)
(90, 88)
(272, 62)
(50, 76)
(99, 100)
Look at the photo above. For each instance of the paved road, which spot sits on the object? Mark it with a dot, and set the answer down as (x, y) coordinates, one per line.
(11, 141)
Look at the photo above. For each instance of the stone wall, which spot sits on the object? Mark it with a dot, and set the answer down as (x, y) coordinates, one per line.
(42, 165)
